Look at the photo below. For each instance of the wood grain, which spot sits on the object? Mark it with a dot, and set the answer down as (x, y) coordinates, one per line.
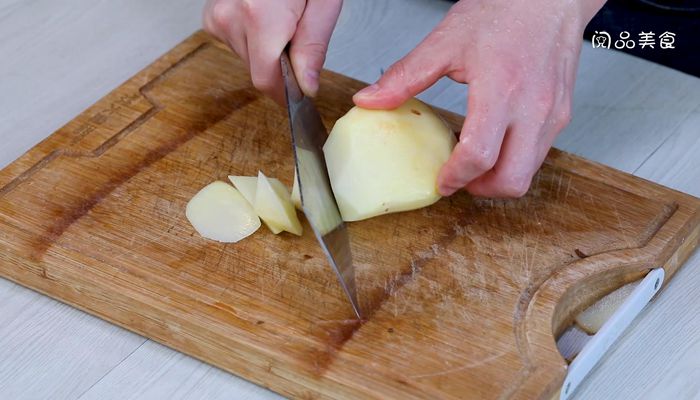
(57, 61)
(95, 218)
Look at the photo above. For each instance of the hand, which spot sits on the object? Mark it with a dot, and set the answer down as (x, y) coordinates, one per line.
(259, 30)
(519, 58)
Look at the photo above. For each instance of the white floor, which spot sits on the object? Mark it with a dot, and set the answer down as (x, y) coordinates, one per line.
(57, 58)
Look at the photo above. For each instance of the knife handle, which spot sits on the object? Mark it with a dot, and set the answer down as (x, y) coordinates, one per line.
(292, 90)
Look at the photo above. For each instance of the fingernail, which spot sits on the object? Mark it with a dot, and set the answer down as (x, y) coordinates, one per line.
(312, 81)
(369, 90)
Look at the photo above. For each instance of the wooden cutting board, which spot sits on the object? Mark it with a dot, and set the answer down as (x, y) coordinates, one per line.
(465, 298)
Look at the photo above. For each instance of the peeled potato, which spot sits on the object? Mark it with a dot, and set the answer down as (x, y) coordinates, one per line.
(219, 212)
(319, 203)
(296, 194)
(383, 161)
(247, 185)
(593, 318)
(274, 206)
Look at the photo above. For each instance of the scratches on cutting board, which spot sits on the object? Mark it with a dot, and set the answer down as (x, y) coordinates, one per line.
(384, 294)
(336, 333)
(73, 212)
(466, 366)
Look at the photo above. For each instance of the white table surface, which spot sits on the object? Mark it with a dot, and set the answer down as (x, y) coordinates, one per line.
(59, 57)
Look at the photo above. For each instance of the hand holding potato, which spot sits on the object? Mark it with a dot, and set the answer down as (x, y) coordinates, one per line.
(259, 30)
(519, 58)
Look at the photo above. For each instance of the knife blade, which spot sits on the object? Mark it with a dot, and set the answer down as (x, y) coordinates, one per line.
(317, 199)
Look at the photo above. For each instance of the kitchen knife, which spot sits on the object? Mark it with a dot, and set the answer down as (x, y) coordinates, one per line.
(317, 199)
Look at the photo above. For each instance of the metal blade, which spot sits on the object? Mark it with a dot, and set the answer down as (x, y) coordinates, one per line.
(317, 199)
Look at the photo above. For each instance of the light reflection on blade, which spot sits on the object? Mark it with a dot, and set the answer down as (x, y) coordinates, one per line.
(318, 202)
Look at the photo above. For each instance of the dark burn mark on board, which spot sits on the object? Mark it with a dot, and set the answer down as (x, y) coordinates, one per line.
(340, 332)
(71, 214)
(334, 334)
(334, 338)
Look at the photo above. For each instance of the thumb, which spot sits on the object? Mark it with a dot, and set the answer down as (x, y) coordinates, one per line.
(406, 78)
(310, 42)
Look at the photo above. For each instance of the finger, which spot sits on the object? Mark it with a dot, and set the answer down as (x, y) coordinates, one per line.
(216, 16)
(554, 126)
(527, 143)
(522, 154)
(310, 42)
(421, 68)
(267, 35)
(479, 143)
(219, 21)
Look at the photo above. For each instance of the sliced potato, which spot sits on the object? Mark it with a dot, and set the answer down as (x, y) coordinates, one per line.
(296, 194)
(319, 203)
(274, 206)
(384, 161)
(219, 212)
(593, 318)
(247, 185)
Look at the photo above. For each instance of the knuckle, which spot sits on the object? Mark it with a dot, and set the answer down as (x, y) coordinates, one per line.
(312, 49)
(398, 69)
(252, 13)
(544, 102)
(517, 187)
(510, 78)
(248, 8)
(220, 14)
(480, 159)
(263, 83)
(399, 79)
(562, 119)
(561, 114)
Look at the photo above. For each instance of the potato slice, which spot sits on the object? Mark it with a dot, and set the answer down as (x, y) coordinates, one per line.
(593, 318)
(383, 161)
(274, 206)
(319, 202)
(247, 185)
(296, 194)
(219, 212)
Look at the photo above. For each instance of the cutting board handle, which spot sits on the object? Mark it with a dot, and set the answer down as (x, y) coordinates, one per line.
(611, 330)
